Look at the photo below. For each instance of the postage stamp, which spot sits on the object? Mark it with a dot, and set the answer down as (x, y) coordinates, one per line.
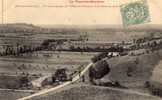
(135, 13)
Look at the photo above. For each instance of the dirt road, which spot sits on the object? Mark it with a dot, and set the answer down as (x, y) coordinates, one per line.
(46, 91)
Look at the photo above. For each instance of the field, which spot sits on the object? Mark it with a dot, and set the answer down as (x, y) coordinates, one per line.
(39, 63)
(12, 95)
(131, 71)
(87, 92)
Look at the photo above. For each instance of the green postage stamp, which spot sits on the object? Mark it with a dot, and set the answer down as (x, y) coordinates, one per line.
(135, 13)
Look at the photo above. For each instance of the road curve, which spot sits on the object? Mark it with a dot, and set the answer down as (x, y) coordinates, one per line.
(77, 77)
(45, 91)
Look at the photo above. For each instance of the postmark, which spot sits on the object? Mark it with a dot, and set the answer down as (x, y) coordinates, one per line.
(135, 13)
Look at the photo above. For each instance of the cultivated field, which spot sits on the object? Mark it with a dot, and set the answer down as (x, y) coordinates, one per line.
(131, 71)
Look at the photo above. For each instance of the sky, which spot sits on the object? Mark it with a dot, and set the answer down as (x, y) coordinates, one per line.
(18, 11)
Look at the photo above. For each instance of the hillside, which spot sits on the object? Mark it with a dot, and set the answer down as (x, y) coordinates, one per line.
(139, 68)
(87, 92)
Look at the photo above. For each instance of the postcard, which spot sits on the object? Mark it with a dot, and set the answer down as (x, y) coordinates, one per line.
(80, 49)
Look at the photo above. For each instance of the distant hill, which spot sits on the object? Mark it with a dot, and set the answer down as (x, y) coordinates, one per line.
(73, 29)
(30, 28)
(108, 27)
(19, 27)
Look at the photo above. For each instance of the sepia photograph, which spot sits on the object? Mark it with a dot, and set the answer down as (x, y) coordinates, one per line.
(80, 50)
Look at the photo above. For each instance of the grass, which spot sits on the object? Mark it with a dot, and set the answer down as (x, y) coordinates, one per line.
(141, 66)
(86, 92)
(12, 95)
(43, 65)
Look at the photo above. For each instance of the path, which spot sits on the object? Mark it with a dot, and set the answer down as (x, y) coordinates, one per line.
(46, 91)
